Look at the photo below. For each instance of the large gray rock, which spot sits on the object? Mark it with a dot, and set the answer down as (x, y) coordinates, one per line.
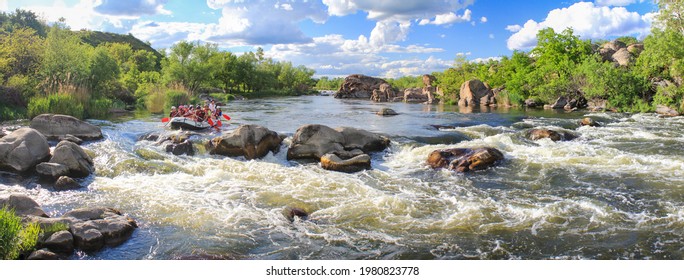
(79, 163)
(666, 111)
(464, 159)
(96, 227)
(22, 205)
(23, 149)
(184, 147)
(474, 93)
(60, 242)
(55, 126)
(623, 57)
(415, 95)
(383, 93)
(313, 141)
(250, 141)
(51, 170)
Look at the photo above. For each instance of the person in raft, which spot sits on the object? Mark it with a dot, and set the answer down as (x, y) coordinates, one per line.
(174, 113)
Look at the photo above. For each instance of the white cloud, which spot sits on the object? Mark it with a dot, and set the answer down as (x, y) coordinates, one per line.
(130, 8)
(332, 55)
(3, 5)
(616, 2)
(485, 59)
(586, 20)
(513, 28)
(483, 19)
(448, 18)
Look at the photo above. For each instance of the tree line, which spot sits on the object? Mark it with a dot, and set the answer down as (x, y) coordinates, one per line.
(51, 69)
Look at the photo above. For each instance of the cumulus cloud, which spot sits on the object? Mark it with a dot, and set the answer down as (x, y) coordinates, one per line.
(483, 19)
(134, 8)
(3, 5)
(333, 55)
(79, 16)
(448, 18)
(587, 20)
(242, 23)
(616, 2)
(513, 28)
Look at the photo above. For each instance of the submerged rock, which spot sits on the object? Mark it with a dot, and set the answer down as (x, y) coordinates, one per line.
(465, 159)
(23, 149)
(250, 141)
(387, 112)
(183, 148)
(65, 183)
(541, 133)
(292, 212)
(55, 126)
(351, 165)
(588, 122)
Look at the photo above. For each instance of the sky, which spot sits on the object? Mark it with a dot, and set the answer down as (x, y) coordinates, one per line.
(336, 38)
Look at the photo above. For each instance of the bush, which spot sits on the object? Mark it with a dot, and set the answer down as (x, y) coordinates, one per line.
(15, 237)
(98, 108)
(56, 104)
(175, 98)
(154, 99)
(11, 113)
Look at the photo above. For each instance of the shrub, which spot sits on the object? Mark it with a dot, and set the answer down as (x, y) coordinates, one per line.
(56, 104)
(15, 237)
(154, 99)
(98, 108)
(11, 113)
(176, 97)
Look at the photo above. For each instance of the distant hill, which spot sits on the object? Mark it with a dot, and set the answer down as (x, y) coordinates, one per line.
(95, 38)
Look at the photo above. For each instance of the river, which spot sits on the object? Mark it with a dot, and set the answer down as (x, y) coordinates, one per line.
(613, 193)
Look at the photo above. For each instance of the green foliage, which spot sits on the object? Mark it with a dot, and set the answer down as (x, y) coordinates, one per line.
(21, 52)
(176, 97)
(66, 61)
(596, 79)
(11, 112)
(406, 82)
(65, 104)
(670, 95)
(155, 98)
(15, 237)
(325, 83)
(104, 71)
(50, 229)
(98, 108)
(663, 55)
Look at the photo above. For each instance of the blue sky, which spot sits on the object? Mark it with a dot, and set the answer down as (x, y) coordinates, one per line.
(389, 38)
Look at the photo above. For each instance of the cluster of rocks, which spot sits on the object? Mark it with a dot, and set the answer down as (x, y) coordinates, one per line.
(364, 87)
(426, 94)
(27, 149)
(619, 53)
(87, 229)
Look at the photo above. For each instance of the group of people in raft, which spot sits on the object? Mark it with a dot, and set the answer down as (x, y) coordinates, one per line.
(209, 113)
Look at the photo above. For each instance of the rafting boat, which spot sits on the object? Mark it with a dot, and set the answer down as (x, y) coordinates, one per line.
(188, 123)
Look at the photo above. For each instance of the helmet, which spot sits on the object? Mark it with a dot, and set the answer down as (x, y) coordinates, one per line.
(198, 107)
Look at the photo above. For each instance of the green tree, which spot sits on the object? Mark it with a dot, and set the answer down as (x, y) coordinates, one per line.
(189, 64)
(66, 60)
(21, 53)
(104, 71)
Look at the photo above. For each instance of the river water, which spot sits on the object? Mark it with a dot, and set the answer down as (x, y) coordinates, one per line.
(613, 193)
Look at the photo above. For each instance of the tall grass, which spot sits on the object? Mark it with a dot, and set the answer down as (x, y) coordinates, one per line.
(15, 237)
(65, 104)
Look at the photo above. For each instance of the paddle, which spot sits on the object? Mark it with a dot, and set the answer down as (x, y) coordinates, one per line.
(226, 117)
(165, 119)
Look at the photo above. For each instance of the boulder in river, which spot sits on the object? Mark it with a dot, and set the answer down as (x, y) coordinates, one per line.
(351, 165)
(55, 126)
(43, 254)
(66, 183)
(250, 141)
(465, 159)
(313, 141)
(61, 242)
(588, 122)
(292, 212)
(79, 163)
(22, 205)
(387, 112)
(181, 148)
(23, 149)
(361, 87)
(51, 170)
(93, 228)
(474, 93)
(542, 133)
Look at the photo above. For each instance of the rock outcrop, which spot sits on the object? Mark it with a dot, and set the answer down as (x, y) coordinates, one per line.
(22, 205)
(384, 93)
(23, 149)
(250, 141)
(415, 95)
(361, 87)
(666, 111)
(619, 53)
(56, 126)
(475, 93)
(465, 159)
